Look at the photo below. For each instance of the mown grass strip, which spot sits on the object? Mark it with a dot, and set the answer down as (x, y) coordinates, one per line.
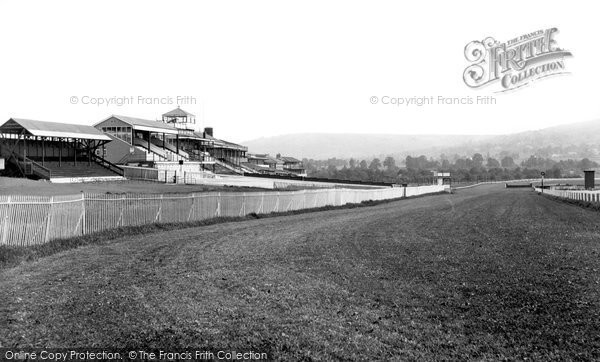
(11, 256)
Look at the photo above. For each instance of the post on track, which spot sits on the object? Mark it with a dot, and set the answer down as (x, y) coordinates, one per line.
(543, 174)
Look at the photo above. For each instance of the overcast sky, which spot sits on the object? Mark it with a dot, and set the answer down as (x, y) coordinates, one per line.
(265, 68)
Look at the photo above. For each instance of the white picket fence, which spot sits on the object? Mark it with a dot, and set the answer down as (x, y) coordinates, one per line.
(581, 195)
(31, 220)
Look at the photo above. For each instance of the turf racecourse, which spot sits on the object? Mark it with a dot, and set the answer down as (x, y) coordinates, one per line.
(487, 273)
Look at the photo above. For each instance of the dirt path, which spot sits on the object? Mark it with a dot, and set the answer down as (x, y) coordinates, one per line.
(486, 273)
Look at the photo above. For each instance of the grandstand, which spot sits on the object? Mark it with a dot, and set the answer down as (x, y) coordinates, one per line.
(267, 165)
(140, 140)
(61, 151)
(54, 151)
(176, 138)
(201, 144)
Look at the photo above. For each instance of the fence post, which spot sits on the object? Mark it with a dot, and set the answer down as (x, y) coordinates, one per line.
(262, 202)
(192, 207)
(5, 228)
(121, 221)
(289, 205)
(81, 220)
(83, 213)
(218, 213)
(243, 208)
(48, 219)
(158, 213)
(305, 197)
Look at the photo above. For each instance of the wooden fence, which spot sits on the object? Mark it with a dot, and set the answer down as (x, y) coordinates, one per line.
(165, 176)
(581, 195)
(31, 220)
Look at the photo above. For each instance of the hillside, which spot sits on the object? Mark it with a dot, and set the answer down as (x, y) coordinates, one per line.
(324, 145)
(575, 140)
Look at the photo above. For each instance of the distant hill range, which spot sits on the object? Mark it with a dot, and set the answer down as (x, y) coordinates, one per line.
(577, 140)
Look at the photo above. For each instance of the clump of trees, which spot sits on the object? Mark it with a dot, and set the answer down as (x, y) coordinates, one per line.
(463, 169)
(354, 169)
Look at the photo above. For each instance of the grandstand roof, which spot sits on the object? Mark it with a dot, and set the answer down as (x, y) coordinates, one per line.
(143, 124)
(52, 129)
(218, 143)
(288, 159)
(178, 112)
(269, 159)
(256, 156)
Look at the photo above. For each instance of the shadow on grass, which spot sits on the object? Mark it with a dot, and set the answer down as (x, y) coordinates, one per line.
(11, 256)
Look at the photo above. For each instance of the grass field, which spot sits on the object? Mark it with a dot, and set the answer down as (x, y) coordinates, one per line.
(21, 186)
(486, 273)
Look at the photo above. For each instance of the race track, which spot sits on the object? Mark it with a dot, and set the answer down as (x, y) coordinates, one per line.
(485, 273)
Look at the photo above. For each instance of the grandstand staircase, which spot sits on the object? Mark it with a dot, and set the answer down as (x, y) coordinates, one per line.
(156, 152)
(159, 143)
(23, 165)
(245, 169)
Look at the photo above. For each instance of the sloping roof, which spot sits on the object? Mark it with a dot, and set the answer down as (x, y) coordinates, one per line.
(218, 143)
(192, 135)
(270, 159)
(264, 157)
(144, 124)
(256, 157)
(287, 159)
(234, 145)
(52, 129)
(178, 112)
(199, 136)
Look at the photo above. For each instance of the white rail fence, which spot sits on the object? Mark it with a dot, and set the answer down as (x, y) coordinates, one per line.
(532, 180)
(150, 174)
(31, 220)
(581, 195)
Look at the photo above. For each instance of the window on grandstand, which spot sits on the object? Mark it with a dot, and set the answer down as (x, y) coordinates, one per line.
(123, 133)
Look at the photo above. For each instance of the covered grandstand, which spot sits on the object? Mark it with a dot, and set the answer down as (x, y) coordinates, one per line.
(54, 151)
(200, 144)
(140, 140)
(176, 138)
(110, 148)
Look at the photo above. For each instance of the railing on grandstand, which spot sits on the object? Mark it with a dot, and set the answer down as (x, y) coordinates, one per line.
(159, 152)
(169, 147)
(107, 164)
(31, 167)
(27, 165)
(230, 166)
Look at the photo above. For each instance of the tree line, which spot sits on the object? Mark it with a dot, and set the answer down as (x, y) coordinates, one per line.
(463, 169)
